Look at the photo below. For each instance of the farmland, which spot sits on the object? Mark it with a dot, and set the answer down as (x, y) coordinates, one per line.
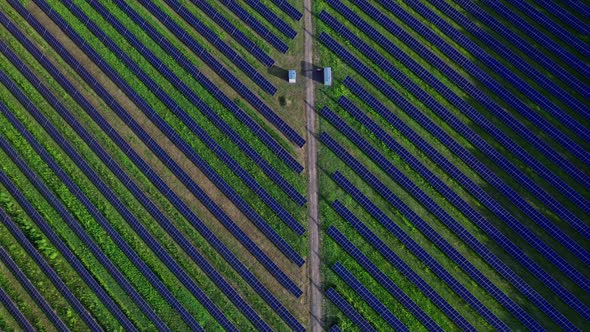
(155, 167)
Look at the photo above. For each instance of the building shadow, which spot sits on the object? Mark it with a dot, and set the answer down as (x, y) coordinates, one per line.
(279, 72)
(311, 71)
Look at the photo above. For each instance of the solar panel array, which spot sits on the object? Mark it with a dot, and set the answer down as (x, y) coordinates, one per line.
(272, 18)
(195, 128)
(518, 62)
(453, 198)
(348, 310)
(224, 73)
(372, 300)
(463, 180)
(208, 112)
(98, 217)
(253, 23)
(32, 290)
(175, 200)
(542, 39)
(520, 84)
(229, 52)
(18, 316)
(475, 139)
(180, 143)
(468, 238)
(47, 270)
(335, 328)
(286, 7)
(462, 82)
(578, 6)
(565, 16)
(238, 35)
(82, 235)
(456, 124)
(65, 251)
(418, 251)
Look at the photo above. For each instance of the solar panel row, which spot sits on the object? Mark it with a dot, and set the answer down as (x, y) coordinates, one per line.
(475, 139)
(552, 26)
(224, 73)
(253, 23)
(465, 208)
(32, 290)
(544, 40)
(516, 81)
(348, 310)
(165, 190)
(579, 7)
(374, 302)
(214, 39)
(468, 211)
(44, 266)
(564, 16)
(518, 62)
(216, 243)
(181, 144)
(233, 31)
(467, 266)
(419, 252)
(235, 167)
(286, 7)
(98, 217)
(15, 312)
(454, 99)
(65, 251)
(206, 109)
(272, 18)
(82, 235)
(335, 328)
(485, 172)
(463, 180)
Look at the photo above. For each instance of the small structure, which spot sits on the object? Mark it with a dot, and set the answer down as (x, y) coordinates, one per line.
(328, 76)
(292, 76)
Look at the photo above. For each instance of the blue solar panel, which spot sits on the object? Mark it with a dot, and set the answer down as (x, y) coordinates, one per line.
(81, 233)
(379, 307)
(518, 62)
(44, 266)
(417, 250)
(233, 31)
(210, 114)
(564, 15)
(32, 290)
(18, 316)
(462, 82)
(544, 40)
(579, 7)
(253, 23)
(459, 126)
(453, 198)
(348, 310)
(464, 181)
(63, 249)
(224, 73)
(475, 139)
(286, 7)
(272, 18)
(335, 328)
(517, 82)
(458, 229)
(175, 200)
(214, 39)
(183, 115)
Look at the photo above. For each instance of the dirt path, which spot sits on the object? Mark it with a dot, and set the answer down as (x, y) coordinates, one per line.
(315, 293)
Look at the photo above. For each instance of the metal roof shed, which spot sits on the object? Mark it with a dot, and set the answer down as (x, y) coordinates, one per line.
(292, 76)
(328, 76)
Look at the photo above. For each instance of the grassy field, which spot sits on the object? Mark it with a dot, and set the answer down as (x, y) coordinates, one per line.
(330, 163)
